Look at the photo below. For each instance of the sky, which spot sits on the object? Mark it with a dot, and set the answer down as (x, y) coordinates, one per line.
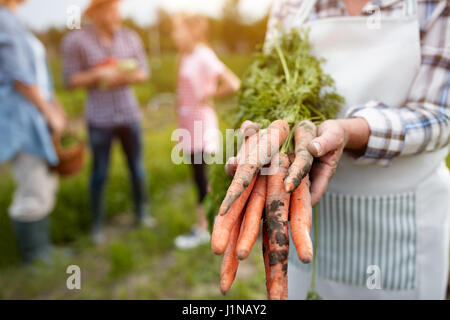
(41, 14)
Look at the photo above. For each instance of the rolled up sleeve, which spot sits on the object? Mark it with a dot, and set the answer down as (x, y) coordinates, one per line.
(422, 123)
(387, 132)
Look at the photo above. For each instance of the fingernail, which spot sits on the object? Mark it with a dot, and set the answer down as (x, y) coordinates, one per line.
(317, 147)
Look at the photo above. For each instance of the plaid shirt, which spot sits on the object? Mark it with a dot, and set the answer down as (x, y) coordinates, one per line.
(82, 50)
(422, 124)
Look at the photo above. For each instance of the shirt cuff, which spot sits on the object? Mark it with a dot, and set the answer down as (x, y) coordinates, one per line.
(387, 132)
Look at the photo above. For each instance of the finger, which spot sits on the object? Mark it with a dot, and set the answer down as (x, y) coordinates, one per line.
(322, 172)
(329, 138)
(231, 166)
(320, 176)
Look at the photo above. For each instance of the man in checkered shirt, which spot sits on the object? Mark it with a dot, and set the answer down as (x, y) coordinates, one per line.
(92, 61)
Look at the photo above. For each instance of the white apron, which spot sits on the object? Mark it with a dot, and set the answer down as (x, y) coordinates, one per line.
(388, 227)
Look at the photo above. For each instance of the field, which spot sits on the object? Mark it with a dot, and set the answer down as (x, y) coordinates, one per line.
(133, 263)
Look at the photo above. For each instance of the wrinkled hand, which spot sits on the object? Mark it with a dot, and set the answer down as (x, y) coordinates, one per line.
(327, 148)
(333, 136)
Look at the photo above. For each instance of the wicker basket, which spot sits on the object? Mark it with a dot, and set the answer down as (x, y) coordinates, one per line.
(71, 160)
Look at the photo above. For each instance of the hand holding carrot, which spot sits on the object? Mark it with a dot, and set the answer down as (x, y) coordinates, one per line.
(333, 136)
(275, 199)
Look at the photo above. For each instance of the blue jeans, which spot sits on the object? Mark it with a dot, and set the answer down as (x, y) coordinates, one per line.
(130, 137)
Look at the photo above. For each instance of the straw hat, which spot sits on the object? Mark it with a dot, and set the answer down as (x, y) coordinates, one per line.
(95, 4)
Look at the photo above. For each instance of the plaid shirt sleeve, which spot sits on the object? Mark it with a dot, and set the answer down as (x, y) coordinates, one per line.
(72, 61)
(423, 123)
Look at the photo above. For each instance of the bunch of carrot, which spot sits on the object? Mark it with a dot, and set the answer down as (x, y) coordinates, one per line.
(279, 195)
(284, 93)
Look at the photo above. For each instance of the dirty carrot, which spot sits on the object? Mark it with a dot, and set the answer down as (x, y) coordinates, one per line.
(303, 134)
(271, 139)
(248, 128)
(225, 223)
(301, 217)
(230, 262)
(276, 224)
(252, 218)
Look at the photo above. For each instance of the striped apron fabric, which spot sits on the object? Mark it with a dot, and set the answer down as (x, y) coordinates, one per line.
(404, 236)
(376, 225)
(358, 232)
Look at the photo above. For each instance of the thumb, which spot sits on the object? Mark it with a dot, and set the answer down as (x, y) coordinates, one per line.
(328, 140)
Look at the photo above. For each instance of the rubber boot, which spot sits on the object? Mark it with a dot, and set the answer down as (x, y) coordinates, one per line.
(34, 240)
(141, 205)
(97, 210)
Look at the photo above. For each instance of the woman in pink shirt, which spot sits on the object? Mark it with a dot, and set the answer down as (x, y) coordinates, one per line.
(201, 78)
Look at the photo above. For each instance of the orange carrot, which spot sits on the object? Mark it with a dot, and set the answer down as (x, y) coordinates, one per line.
(256, 157)
(225, 222)
(303, 134)
(276, 224)
(301, 217)
(230, 262)
(248, 128)
(252, 218)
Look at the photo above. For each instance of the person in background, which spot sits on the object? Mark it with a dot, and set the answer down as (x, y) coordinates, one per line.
(29, 115)
(201, 78)
(106, 58)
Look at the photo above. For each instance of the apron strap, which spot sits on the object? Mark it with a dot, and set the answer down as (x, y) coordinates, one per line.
(410, 8)
(303, 13)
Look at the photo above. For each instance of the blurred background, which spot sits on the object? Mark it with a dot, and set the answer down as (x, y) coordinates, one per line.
(136, 264)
